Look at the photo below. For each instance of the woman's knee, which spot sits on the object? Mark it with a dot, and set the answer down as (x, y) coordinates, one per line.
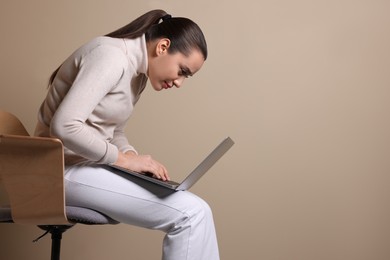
(198, 208)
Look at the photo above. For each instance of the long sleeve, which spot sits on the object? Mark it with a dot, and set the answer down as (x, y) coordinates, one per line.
(98, 73)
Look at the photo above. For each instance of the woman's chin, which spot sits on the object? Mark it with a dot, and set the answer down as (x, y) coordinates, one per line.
(157, 87)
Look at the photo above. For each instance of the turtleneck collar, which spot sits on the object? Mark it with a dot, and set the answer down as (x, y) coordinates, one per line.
(137, 53)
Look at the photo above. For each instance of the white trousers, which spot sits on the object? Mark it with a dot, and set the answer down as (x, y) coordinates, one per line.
(185, 218)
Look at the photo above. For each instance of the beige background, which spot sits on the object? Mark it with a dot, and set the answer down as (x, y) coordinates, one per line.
(303, 88)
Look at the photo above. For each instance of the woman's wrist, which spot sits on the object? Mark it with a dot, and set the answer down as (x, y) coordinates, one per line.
(123, 158)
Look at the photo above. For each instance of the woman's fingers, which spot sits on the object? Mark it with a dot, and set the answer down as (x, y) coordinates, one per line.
(146, 164)
(162, 171)
(158, 170)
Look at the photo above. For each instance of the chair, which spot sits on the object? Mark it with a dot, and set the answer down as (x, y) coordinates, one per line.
(32, 173)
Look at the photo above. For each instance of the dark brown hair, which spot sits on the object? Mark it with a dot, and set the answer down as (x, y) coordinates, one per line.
(183, 33)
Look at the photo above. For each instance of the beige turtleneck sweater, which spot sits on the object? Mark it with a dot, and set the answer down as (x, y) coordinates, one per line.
(92, 97)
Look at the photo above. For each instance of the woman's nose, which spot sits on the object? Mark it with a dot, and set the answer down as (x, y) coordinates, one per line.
(178, 82)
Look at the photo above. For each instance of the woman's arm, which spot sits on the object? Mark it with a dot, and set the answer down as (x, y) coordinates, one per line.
(98, 72)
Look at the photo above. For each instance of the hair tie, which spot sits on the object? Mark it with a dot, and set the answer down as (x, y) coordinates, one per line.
(166, 17)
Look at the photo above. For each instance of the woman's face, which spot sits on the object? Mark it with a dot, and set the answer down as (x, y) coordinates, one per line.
(167, 70)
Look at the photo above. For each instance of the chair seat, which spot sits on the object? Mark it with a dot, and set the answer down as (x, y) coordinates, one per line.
(87, 216)
(74, 214)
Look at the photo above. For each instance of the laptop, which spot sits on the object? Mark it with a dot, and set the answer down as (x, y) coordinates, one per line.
(194, 176)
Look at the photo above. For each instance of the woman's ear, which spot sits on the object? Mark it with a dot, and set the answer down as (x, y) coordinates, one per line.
(163, 46)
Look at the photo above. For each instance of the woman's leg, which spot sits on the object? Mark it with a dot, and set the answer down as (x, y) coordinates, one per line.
(185, 218)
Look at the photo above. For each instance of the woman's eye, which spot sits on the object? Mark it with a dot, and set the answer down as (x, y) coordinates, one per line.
(184, 73)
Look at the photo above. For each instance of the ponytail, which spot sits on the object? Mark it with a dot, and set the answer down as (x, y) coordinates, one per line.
(139, 26)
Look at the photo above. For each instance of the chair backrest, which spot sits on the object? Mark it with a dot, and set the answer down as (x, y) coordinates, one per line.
(32, 169)
(10, 124)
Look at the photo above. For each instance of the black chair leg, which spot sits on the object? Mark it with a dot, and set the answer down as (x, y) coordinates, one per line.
(56, 236)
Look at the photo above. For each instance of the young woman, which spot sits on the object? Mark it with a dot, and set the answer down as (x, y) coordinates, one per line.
(90, 98)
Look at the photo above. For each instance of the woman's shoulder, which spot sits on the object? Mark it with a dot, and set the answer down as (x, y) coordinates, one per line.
(105, 43)
(103, 47)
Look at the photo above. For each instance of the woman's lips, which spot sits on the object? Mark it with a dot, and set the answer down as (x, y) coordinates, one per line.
(166, 85)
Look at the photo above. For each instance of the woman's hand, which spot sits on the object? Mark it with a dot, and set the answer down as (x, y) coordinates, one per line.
(142, 164)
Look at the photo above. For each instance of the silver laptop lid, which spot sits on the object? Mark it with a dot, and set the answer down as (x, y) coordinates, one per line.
(206, 164)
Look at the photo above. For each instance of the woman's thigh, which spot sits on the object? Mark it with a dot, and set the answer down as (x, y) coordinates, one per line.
(129, 199)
